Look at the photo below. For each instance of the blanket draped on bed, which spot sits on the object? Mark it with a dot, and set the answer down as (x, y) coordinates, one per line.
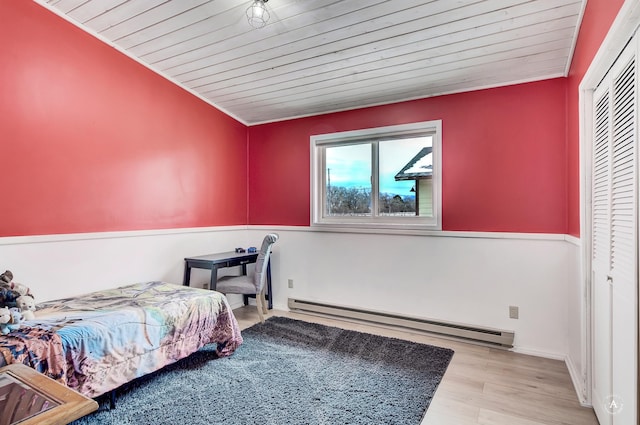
(97, 342)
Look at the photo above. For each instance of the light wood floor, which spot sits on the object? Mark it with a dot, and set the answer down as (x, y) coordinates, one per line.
(482, 385)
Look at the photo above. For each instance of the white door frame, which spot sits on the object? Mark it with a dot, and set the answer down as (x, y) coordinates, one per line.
(621, 31)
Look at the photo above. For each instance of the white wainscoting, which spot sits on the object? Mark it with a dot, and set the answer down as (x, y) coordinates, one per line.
(464, 278)
(58, 266)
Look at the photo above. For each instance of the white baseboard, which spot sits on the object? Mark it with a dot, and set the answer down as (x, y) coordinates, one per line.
(578, 383)
(539, 353)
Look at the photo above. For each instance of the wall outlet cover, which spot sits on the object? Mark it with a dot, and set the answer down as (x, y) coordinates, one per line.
(514, 312)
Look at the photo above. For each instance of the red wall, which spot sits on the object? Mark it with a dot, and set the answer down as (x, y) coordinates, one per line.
(597, 19)
(503, 154)
(92, 141)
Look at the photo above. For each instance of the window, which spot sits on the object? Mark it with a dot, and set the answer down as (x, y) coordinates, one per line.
(387, 177)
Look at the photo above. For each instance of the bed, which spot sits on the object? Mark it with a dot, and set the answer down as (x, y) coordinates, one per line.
(97, 342)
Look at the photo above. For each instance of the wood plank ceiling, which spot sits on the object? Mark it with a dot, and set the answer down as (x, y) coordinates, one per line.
(317, 56)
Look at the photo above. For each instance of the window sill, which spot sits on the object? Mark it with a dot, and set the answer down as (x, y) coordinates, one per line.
(378, 228)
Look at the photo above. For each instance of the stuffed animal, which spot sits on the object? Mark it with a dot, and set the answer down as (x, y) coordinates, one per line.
(10, 291)
(8, 297)
(6, 277)
(16, 319)
(20, 288)
(27, 306)
(6, 281)
(5, 318)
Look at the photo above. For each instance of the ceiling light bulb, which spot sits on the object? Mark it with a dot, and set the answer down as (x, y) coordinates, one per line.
(257, 10)
(257, 14)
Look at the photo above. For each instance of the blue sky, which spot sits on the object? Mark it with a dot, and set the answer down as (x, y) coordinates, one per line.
(350, 166)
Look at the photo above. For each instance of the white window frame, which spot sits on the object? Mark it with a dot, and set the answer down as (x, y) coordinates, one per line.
(318, 189)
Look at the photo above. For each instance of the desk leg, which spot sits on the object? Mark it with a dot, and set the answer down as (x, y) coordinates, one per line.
(187, 274)
(245, 298)
(213, 283)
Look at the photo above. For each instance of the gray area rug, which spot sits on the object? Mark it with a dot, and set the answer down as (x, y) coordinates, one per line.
(288, 372)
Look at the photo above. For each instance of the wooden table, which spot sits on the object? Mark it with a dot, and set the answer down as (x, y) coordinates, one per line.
(31, 398)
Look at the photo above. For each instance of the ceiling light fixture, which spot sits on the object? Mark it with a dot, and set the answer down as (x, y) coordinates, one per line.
(257, 13)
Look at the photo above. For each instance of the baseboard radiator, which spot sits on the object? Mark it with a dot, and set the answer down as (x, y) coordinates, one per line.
(485, 336)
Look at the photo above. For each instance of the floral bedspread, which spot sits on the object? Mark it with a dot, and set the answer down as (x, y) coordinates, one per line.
(97, 342)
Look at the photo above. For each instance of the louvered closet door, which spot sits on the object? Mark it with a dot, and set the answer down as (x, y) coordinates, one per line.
(601, 254)
(614, 243)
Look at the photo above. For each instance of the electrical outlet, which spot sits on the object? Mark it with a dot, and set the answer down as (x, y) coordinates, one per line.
(290, 283)
(514, 312)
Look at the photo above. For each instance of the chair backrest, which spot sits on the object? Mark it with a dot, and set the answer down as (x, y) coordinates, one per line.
(263, 260)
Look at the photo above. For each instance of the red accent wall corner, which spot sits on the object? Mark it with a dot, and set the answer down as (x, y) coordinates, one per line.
(92, 141)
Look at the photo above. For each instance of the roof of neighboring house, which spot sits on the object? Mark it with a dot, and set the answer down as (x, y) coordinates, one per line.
(420, 167)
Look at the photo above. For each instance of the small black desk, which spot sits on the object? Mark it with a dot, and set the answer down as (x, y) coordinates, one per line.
(225, 259)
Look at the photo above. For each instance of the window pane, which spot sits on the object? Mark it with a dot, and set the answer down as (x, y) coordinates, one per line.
(378, 178)
(406, 177)
(348, 180)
